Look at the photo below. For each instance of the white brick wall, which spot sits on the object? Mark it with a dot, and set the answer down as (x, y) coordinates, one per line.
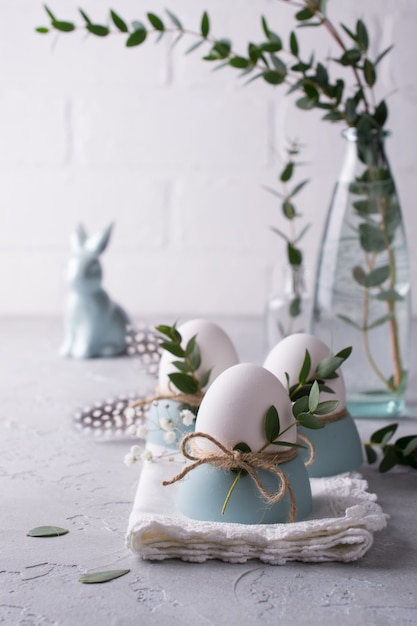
(174, 153)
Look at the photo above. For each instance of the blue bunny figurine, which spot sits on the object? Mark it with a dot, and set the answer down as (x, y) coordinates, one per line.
(95, 326)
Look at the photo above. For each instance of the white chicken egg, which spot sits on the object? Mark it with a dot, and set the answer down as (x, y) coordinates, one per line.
(288, 356)
(216, 350)
(234, 408)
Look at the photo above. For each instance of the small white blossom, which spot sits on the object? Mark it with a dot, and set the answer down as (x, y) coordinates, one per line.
(147, 455)
(129, 459)
(187, 417)
(129, 412)
(136, 451)
(166, 424)
(132, 430)
(170, 437)
(141, 431)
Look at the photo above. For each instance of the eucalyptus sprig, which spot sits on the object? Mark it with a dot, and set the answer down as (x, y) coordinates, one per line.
(270, 59)
(189, 360)
(403, 451)
(290, 213)
(305, 414)
(326, 369)
(280, 60)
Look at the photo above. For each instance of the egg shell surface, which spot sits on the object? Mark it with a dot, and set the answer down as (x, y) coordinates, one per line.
(234, 408)
(216, 350)
(288, 356)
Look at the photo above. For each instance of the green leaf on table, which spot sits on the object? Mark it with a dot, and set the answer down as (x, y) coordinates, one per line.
(369, 72)
(103, 577)
(389, 460)
(42, 30)
(271, 424)
(304, 14)
(239, 62)
(350, 57)
(371, 455)
(383, 435)
(273, 77)
(407, 444)
(47, 531)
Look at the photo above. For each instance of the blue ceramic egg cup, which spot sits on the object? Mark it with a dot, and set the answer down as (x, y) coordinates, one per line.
(337, 448)
(203, 491)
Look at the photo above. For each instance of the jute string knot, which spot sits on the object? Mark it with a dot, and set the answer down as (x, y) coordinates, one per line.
(250, 462)
(183, 398)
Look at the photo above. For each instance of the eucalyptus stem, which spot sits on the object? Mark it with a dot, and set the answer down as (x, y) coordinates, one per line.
(232, 488)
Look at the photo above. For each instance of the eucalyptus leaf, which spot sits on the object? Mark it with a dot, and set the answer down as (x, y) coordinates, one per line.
(310, 421)
(242, 446)
(371, 455)
(300, 406)
(47, 531)
(98, 30)
(156, 22)
(326, 407)
(380, 321)
(103, 577)
(174, 19)
(305, 368)
(204, 379)
(172, 348)
(313, 397)
(349, 321)
(65, 27)
(136, 38)
(271, 424)
(380, 436)
(327, 367)
(184, 382)
(389, 460)
(119, 22)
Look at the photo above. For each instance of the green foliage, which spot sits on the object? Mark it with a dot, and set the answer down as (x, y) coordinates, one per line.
(103, 577)
(47, 531)
(189, 360)
(403, 451)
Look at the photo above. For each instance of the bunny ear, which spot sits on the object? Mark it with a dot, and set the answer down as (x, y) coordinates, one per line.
(97, 243)
(78, 238)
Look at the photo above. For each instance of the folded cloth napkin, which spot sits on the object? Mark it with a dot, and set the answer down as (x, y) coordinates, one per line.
(340, 528)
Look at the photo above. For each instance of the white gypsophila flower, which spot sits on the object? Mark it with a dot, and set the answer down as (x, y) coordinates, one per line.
(129, 412)
(187, 417)
(147, 455)
(142, 431)
(132, 430)
(165, 423)
(129, 459)
(136, 451)
(170, 437)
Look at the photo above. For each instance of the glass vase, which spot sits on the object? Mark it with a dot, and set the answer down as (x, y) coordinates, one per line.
(362, 289)
(288, 310)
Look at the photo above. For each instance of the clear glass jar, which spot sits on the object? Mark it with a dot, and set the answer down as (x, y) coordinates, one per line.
(362, 289)
(288, 310)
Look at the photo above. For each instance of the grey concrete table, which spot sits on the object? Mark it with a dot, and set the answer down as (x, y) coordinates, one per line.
(50, 474)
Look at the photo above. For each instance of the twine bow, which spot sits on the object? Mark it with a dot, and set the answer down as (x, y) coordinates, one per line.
(249, 462)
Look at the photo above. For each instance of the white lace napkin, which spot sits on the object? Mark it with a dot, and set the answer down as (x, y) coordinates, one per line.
(345, 516)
